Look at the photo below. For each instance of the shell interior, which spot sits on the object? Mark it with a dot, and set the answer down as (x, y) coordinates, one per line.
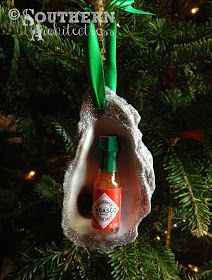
(135, 166)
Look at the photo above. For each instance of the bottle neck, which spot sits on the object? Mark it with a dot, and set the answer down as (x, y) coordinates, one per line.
(108, 161)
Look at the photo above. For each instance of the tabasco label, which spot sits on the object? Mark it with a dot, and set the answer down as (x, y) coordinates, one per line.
(106, 208)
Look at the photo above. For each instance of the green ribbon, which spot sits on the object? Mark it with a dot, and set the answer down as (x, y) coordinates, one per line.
(95, 68)
(126, 6)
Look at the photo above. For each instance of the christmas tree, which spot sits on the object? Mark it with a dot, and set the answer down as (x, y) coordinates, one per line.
(164, 67)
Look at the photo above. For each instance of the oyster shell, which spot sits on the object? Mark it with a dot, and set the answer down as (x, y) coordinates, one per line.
(135, 165)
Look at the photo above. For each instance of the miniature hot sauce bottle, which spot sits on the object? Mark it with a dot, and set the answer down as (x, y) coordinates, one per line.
(106, 208)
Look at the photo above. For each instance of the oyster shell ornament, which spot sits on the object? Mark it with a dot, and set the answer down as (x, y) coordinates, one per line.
(135, 166)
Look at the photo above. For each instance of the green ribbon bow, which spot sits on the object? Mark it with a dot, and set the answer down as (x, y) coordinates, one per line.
(126, 6)
(93, 55)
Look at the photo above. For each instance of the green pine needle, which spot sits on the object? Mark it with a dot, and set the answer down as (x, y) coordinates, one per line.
(65, 130)
(188, 187)
(143, 260)
(48, 189)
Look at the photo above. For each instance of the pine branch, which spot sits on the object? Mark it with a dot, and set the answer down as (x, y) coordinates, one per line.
(52, 263)
(188, 32)
(143, 260)
(48, 189)
(188, 188)
(51, 41)
(65, 129)
(176, 98)
(206, 271)
(192, 52)
(124, 263)
(158, 259)
(28, 130)
(155, 130)
(80, 263)
(15, 57)
(162, 34)
(127, 36)
(158, 43)
(165, 264)
(39, 57)
(37, 265)
(145, 266)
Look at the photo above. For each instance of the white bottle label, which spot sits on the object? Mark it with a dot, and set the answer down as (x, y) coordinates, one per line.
(105, 210)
